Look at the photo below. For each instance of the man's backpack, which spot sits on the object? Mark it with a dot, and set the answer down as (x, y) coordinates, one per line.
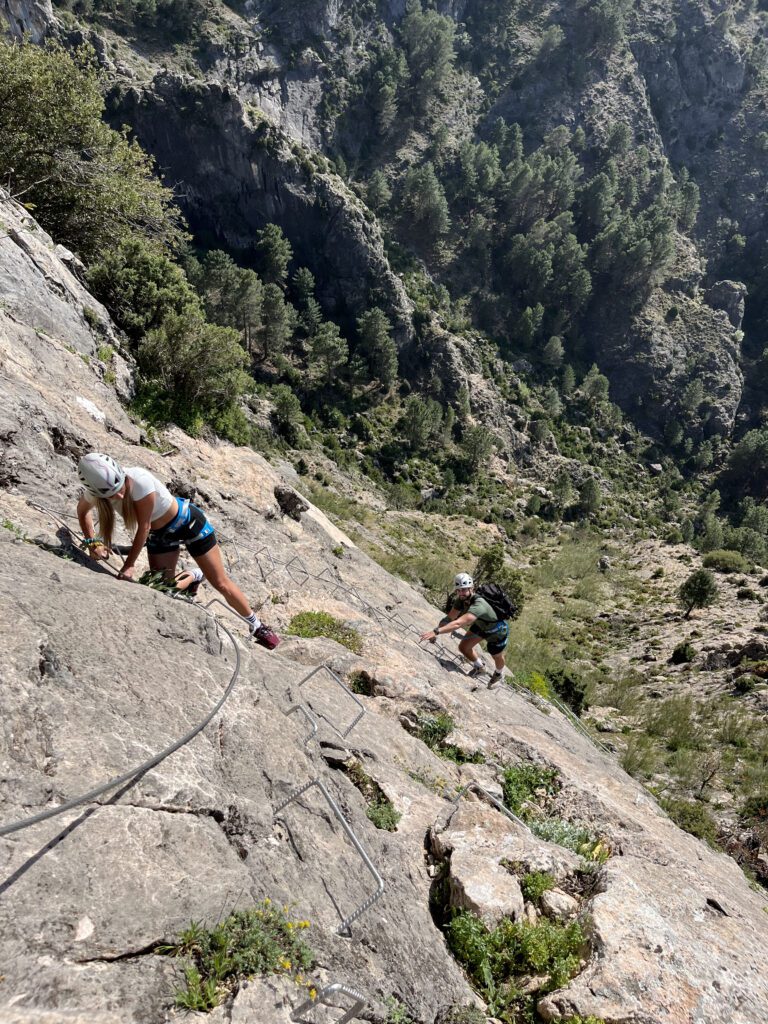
(500, 601)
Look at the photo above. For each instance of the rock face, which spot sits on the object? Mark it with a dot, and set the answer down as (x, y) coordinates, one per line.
(240, 173)
(28, 19)
(97, 675)
(671, 341)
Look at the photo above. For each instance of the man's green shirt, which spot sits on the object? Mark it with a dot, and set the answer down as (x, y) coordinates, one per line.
(485, 615)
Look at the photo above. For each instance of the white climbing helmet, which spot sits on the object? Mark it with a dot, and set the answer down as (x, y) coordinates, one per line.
(463, 580)
(100, 475)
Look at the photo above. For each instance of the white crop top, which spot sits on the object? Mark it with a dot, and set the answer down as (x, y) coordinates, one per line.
(143, 483)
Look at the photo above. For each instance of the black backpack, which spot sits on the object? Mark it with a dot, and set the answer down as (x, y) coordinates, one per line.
(500, 601)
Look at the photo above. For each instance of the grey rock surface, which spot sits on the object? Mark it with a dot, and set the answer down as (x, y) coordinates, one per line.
(29, 19)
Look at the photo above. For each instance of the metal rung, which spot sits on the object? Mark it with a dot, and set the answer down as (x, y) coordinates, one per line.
(332, 674)
(226, 544)
(272, 565)
(346, 924)
(327, 577)
(295, 565)
(475, 787)
(309, 717)
(323, 996)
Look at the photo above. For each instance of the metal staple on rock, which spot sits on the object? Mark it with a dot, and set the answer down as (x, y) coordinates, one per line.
(346, 924)
(475, 787)
(338, 681)
(323, 997)
(313, 726)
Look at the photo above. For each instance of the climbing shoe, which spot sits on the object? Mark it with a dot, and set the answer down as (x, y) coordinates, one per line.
(495, 679)
(265, 636)
(477, 670)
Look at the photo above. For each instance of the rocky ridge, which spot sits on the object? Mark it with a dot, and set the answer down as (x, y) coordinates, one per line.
(96, 678)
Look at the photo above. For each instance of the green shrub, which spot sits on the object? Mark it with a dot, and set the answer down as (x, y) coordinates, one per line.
(380, 809)
(675, 721)
(755, 809)
(536, 683)
(433, 729)
(570, 835)
(397, 1012)
(698, 591)
(640, 758)
(726, 561)
(692, 817)
(583, 1020)
(683, 653)
(361, 682)
(745, 684)
(525, 782)
(495, 959)
(383, 815)
(463, 1015)
(313, 624)
(748, 594)
(535, 884)
(140, 286)
(258, 941)
(570, 687)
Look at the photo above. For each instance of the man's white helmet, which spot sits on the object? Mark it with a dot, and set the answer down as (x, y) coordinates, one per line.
(463, 579)
(100, 475)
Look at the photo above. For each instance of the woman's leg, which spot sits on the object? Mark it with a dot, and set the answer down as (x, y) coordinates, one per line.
(215, 573)
(165, 563)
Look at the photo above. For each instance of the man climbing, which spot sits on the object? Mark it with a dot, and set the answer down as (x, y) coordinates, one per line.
(470, 611)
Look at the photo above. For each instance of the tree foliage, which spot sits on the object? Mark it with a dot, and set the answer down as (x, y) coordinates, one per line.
(698, 591)
(193, 368)
(88, 185)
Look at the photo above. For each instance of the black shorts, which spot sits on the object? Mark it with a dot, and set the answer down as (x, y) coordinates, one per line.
(496, 637)
(190, 528)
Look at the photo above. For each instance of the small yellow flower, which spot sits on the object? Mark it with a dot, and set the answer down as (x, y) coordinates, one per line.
(313, 993)
(289, 926)
(303, 924)
(287, 964)
(267, 900)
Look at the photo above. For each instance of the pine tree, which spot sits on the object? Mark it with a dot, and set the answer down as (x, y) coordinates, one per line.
(378, 193)
(274, 252)
(303, 286)
(377, 344)
(278, 321)
(698, 591)
(424, 203)
(328, 351)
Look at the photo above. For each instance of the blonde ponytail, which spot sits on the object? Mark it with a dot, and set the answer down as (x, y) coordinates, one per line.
(106, 514)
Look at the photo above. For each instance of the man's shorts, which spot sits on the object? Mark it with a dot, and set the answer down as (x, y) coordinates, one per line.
(190, 528)
(497, 636)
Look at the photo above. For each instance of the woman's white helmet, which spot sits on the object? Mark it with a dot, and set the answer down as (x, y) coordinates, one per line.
(100, 475)
(463, 580)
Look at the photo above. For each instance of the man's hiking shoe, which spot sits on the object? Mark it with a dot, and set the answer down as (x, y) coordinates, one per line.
(477, 670)
(265, 636)
(495, 679)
